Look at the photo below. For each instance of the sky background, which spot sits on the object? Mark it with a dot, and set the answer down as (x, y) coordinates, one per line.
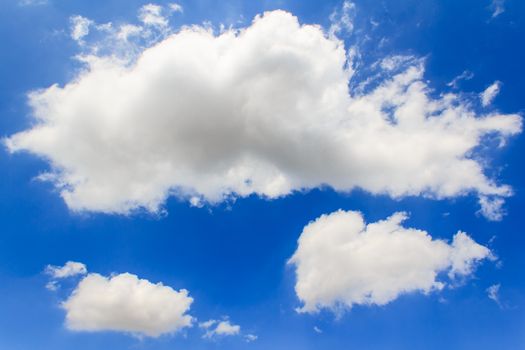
(232, 256)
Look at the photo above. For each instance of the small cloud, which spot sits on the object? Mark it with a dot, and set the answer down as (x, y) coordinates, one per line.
(216, 328)
(466, 75)
(70, 269)
(497, 7)
(250, 337)
(52, 286)
(151, 15)
(128, 30)
(491, 208)
(126, 303)
(493, 293)
(79, 27)
(490, 93)
(342, 20)
(318, 330)
(196, 202)
(207, 324)
(174, 7)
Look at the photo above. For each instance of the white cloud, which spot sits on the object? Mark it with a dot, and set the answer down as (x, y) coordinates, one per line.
(263, 110)
(79, 27)
(490, 93)
(128, 30)
(497, 7)
(492, 208)
(71, 268)
(250, 337)
(395, 62)
(317, 330)
(128, 304)
(493, 293)
(207, 324)
(342, 20)
(151, 15)
(176, 7)
(341, 261)
(226, 328)
(216, 328)
(52, 286)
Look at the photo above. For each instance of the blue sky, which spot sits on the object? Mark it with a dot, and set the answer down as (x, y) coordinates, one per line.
(228, 241)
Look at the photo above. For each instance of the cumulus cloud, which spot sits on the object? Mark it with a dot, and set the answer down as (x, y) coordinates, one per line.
(490, 93)
(262, 110)
(341, 261)
(125, 303)
(215, 328)
(71, 268)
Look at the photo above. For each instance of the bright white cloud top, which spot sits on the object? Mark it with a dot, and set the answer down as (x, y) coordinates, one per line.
(341, 261)
(263, 110)
(125, 303)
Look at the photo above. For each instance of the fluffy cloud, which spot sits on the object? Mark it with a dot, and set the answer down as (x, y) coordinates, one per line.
(126, 303)
(490, 93)
(71, 268)
(263, 110)
(216, 328)
(151, 15)
(342, 261)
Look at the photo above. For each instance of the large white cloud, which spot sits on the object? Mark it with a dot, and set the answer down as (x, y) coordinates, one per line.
(263, 110)
(126, 303)
(341, 261)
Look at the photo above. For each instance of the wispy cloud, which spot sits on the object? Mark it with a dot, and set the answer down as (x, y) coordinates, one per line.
(466, 75)
(490, 93)
(493, 293)
(497, 7)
